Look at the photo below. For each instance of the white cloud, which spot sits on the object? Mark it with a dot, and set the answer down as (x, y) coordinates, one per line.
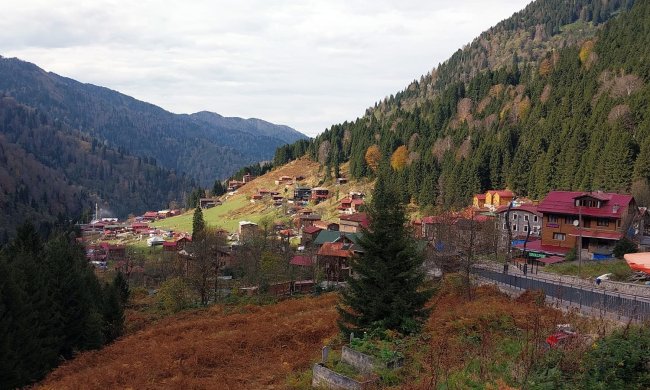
(307, 64)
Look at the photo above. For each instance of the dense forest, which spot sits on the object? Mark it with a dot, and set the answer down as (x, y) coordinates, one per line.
(203, 145)
(52, 306)
(574, 116)
(49, 171)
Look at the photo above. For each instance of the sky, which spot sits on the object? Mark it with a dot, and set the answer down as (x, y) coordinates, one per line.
(305, 64)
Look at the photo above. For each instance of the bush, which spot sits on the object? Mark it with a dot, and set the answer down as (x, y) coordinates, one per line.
(572, 255)
(624, 246)
(174, 295)
(619, 361)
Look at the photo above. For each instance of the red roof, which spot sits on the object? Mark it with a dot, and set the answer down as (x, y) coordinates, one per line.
(346, 200)
(151, 214)
(360, 218)
(171, 244)
(504, 193)
(335, 249)
(357, 201)
(311, 229)
(480, 196)
(563, 202)
(301, 261)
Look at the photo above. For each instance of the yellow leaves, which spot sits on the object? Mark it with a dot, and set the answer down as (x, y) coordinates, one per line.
(545, 67)
(373, 157)
(399, 158)
(523, 108)
(585, 51)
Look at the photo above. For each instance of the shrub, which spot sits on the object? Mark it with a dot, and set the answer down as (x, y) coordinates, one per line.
(624, 246)
(174, 295)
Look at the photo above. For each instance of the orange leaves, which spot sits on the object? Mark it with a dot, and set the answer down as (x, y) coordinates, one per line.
(399, 158)
(586, 50)
(545, 67)
(373, 157)
(252, 348)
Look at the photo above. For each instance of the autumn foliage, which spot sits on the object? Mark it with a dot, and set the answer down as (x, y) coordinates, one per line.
(373, 157)
(399, 158)
(253, 347)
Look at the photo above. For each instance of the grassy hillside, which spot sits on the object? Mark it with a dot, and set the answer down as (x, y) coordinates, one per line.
(238, 207)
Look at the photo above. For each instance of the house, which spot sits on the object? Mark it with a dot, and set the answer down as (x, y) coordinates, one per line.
(206, 203)
(150, 216)
(247, 178)
(304, 220)
(319, 194)
(479, 201)
(284, 180)
(234, 184)
(248, 230)
(256, 197)
(176, 245)
(139, 227)
(341, 180)
(353, 223)
(497, 198)
(350, 205)
(309, 234)
(114, 252)
(162, 214)
(522, 218)
(302, 193)
(326, 225)
(334, 259)
(590, 221)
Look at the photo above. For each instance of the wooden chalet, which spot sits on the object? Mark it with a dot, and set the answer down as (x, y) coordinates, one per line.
(309, 234)
(353, 223)
(326, 225)
(319, 194)
(334, 259)
(150, 216)
(207, 203)
(247, 178)
(590, 221)
(302, 193)
(301, 221)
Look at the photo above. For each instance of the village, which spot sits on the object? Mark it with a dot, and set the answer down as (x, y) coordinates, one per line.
(312, 230)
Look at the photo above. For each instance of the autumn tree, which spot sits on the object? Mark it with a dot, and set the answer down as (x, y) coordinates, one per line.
(399, 158)
(386, 291)
(373, 157)
(203, 266)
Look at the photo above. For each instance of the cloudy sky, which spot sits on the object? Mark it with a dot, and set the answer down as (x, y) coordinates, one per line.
(306, 64)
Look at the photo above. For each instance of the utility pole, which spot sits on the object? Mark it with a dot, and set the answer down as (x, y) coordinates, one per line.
(580, 239)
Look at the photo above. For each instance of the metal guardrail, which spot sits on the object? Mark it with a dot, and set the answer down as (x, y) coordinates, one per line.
(619, 304)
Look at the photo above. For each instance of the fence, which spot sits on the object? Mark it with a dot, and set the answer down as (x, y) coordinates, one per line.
(617, 304)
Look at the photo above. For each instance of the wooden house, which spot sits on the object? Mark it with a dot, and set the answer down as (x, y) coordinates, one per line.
(309, 234)
(150, 216)
(589, 221)
(326, 225)
(302, 193)
(353, 223)
(334, 260)
(319, 194)
(206, 203)
(479, 201)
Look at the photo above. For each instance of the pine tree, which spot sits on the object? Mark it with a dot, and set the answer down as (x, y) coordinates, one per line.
(198, 224)
(386, 290)
(112, 312)
(122, 287)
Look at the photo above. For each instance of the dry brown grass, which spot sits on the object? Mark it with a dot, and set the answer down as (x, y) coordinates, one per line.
(255, 348)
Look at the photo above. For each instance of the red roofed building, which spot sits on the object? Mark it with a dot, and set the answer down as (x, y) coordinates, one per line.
(334, 259)
(598, 219)
(150, 216)
(309, 234)
(353, 223)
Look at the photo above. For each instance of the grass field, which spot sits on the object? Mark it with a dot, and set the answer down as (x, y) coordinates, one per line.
(593, 269)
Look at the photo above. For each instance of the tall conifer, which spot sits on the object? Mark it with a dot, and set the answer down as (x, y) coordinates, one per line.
(386, 289)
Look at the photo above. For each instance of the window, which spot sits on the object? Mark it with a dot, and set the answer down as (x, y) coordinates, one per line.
(514, 228)
(514, 216)
(534, 218)
(505, 226)
(534, 229)
(568, 220)
(559, 236)
(526, 217)
(552, 218)
(602, 222)
(526, 228)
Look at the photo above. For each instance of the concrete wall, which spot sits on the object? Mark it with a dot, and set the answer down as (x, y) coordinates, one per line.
(360, 361)
(324, 378)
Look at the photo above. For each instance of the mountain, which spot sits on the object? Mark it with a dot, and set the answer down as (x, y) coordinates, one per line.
(49, 171)
(203, 145)
(253, 126)
(555, 97)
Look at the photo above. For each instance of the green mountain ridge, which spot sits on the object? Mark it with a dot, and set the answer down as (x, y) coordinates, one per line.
(568, 117)
(202, 148)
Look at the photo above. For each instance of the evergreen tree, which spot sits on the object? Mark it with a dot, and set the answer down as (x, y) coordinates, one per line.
(386, 290)
(113, 312)
(198, 224)
(122, 287)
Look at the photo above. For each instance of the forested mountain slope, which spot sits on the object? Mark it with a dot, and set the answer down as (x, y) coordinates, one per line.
(50, 171)
(576, 118)
(203, 146)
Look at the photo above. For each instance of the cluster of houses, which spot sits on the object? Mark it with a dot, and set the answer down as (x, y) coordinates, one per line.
(589, 222)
